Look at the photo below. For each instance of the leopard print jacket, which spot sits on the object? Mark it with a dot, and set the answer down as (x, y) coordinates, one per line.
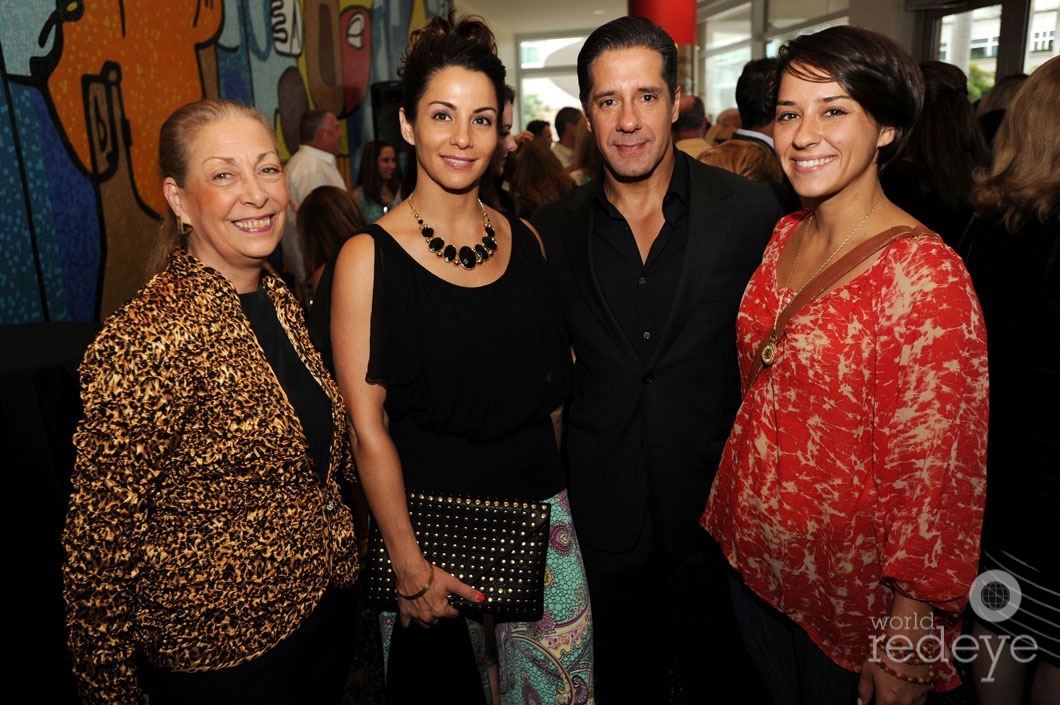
(198, 533)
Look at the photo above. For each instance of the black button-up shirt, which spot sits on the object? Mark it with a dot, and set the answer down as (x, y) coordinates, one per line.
(640, 294)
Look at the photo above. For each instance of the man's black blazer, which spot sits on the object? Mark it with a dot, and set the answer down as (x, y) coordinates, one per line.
(653, 433)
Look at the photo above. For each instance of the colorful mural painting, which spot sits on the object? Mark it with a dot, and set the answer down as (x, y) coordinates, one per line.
(86, 85)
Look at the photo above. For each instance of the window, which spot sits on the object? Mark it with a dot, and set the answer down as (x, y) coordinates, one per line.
(1043, 41)
(731, 33)
(723, 69)
(970, 41)
(726, 41)
(548, 78)
(984, 47)
(1041, 34)
(970, 36)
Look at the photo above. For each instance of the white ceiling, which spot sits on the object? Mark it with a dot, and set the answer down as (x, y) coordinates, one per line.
(519, 17)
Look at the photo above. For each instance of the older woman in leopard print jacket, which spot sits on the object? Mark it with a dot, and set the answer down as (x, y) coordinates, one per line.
(208, 548)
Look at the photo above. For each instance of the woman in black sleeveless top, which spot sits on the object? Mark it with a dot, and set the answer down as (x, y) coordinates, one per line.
(450, 352)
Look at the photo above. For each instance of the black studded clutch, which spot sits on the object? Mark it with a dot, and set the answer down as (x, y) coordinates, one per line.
(497, 546)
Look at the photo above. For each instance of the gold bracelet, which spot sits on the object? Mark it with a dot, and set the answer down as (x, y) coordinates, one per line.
(919, 655)
(422, 591)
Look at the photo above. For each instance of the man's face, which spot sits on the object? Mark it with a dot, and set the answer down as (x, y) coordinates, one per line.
(545, 137)
(630, 111)
(328, 135)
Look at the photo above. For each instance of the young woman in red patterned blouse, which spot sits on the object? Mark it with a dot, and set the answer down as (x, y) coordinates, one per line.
(850, 494)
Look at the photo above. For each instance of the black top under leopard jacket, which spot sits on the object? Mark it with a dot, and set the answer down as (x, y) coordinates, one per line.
(199, 534)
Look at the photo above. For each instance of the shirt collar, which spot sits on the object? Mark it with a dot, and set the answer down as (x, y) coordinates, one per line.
(757, 135)
(678, 188)
(318, 153)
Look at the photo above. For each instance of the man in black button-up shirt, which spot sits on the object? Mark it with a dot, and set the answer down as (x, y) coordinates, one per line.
(651, 260)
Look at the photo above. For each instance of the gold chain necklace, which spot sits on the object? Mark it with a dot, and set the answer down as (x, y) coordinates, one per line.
(769, 352)
(467, 256)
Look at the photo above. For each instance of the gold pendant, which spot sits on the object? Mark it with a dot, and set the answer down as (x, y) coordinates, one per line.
(769, 352)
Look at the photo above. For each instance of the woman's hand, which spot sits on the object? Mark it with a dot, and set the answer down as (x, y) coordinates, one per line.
(898, 670)
(429, 602)
(879, 687)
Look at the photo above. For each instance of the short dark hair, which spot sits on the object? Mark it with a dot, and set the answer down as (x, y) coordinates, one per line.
(466, 42)
(508, 96)
(693, 118)
(309, 124)
(536, 127)
(753, 95)
(567, 116)
(877, 72)
(626, 33)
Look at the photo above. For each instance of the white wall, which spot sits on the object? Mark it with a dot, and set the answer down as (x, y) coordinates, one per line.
(505, 37)
(886, 16)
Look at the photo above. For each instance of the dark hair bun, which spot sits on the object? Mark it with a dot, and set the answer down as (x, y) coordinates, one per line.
(472, 27)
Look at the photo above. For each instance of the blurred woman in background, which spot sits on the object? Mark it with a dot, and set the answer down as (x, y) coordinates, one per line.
(328, 216)
(1013, 254)
(932, 179)
(538, 178)
(378, 179)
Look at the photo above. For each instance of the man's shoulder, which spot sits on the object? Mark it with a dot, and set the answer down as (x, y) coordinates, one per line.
(565, 207)
(752, 136)
(299, 159)
(562, 221)
(692, 146)
(708, 176)
(753, 199)
(307, 155)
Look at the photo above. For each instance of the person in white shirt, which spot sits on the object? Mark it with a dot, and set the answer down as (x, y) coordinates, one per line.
(567, 120)
(311, 166)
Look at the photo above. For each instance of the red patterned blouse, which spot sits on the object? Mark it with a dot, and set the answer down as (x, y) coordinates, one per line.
(857, 462)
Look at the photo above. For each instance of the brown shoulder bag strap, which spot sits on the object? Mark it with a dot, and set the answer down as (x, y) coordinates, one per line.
(823, 282)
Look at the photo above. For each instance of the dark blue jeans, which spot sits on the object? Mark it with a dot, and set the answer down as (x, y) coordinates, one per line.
(795, 670)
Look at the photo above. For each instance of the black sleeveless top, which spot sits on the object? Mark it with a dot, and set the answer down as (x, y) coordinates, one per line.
(311, 404)
(472, 373)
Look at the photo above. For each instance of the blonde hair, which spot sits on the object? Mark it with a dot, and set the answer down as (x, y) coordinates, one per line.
(1023, 180)
(748, 159)
(729, 117)
(718, 133)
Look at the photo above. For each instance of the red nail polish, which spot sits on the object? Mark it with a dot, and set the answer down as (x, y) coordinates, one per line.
(479, 597)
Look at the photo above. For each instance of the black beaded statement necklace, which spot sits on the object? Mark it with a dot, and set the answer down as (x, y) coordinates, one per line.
(467, 256)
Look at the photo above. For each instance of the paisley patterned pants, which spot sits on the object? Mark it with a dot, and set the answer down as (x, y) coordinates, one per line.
(549, 661)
